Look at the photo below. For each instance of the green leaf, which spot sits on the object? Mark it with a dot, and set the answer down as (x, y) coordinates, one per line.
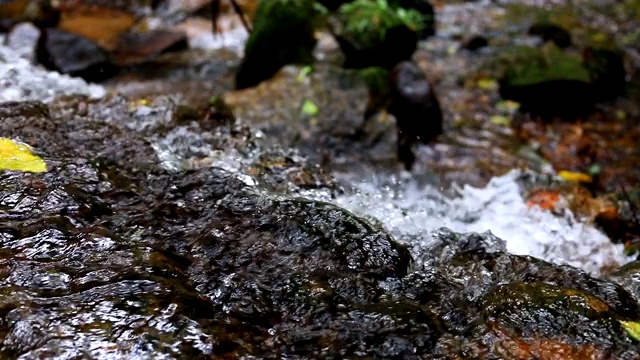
(632, 328)
(594, 169)
(500, 120)
(304, 72)
(309, 108)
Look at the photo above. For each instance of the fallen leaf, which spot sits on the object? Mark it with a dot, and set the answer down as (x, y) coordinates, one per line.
(508, 105)
(304, 72)
(487, 84)
(632, 328)
(575, 176)
(309, 108)
(500, 120)
(17, 156)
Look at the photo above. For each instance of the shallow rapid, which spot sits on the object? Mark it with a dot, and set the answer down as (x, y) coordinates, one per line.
(411, 210)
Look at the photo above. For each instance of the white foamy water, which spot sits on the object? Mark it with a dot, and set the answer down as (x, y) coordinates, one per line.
(21, 81)
(411, 211)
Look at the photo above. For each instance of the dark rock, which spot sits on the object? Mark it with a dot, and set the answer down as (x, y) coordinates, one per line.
(282, 34)
(628, 276)
(416, 108)
(135, 48)
(213, 260)
(196, 264)
(607, 71)
(509, 306)
(551, 32)
(475, 43)
(72, 54)
(72, 135)
(398, 45)
(275, 107)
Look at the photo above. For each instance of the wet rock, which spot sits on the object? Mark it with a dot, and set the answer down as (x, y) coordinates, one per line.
(135, 48)
(71, 134)
(72, 54)
(145, 262)
(277, 170)
(365, 43)
(282, 34)
(198, 258)
(415, 107)
(551, 32)
(608, 74)
(275, 107)
(547, 82)
(517, 306)
(628, 276)
(40, 12)
(398, 45)
(475, 43)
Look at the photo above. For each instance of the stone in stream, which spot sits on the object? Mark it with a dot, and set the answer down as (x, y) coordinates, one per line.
(416, 108)
(398, 45)
(550, 82)
(551, 32)
(75, 55)
(475, 42)
(508, 306)
(107, 235)
(425, 8)
(547, 81)
(338, 129)
(214, 268)
(282, 34)
(608, 74)
(389, 40)
(110, 256)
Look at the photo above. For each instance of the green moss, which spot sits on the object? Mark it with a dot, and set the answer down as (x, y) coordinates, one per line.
(283, 34)
(376, 78)
(365, 22)
(529, 66)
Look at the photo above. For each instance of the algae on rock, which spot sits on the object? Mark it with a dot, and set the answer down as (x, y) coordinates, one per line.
(282, 34)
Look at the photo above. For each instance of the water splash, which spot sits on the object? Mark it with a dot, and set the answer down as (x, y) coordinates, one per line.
(412, 211)
(21, 81)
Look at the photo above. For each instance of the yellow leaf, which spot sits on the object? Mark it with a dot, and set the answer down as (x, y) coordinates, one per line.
(575, 176)
(500, 120)
(508, 105)
(632, 328)
(17, 156)
(487, 84)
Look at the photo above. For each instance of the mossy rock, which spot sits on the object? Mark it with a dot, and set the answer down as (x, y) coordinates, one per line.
(541, 310)
(377, 33)
(606, 68)
(546, 81)
(530, 66)
(282, 34)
